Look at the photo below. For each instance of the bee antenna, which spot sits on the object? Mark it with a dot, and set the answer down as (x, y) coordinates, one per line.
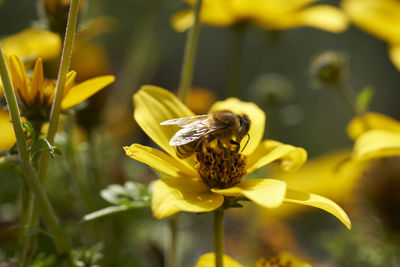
(248, 139)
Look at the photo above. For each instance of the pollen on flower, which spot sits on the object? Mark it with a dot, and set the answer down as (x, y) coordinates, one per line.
(220, 166)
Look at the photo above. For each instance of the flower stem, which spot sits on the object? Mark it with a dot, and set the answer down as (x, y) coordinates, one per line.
(219, 236)
(172, 250)
(29, 174)
(62, 75)
(234, 76)
(349, 97)
(189, 56)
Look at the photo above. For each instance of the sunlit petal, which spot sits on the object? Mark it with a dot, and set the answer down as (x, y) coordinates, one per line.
(154, 105)
(268, 151)
(369, 121)
(171, 195)
(317, 201)
(84, 90)
(268, 193)
(376, 144)
(394, 54)
(256, 115)
(208, 260)
(324, 17)
(378, 17)
(160, 161)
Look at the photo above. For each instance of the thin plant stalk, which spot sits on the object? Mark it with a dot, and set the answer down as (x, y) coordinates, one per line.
(60, 239)
(54, 117)
(235, 64)
(219, 236)
(190, 53)
(172, 249)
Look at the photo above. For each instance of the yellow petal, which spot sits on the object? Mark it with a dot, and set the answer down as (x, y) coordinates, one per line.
(160, 161)
(33, 43)
(376, 144)
(84, 90)
(154, 105)
(394, 54)
(320, 202)
(7, 131)
(171, 195)
(183, 20)
(378, 17)
(333, 175)
(37, 78)
(323, 17)
(69, 82)
(268, 193)
(256, 115)
(208, 260)
(369, 121)
(268, 151)
(287, 258)
(19, 78)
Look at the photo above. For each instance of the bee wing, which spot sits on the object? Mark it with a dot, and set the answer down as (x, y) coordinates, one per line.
(193, 131)
(185, 121)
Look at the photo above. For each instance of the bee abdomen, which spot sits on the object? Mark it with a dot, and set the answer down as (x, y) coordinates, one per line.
(186, 150)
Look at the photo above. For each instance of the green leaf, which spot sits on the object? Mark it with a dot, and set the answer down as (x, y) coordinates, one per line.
(43, 144)
(131, 195)
(364, 99)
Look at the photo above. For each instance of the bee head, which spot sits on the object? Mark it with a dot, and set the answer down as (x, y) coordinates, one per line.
(244, 126)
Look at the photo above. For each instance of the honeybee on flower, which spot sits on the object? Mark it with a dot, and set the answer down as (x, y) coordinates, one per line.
(226, 127)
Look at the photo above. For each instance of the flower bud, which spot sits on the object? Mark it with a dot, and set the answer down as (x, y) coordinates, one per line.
(329, 68)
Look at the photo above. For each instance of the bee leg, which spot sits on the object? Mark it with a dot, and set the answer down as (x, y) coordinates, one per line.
(233, 142)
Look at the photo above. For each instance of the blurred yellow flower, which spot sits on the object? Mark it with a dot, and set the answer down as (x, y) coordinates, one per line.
(208, 260)
(32, 43)
(35, 93)
(7, 132)
(186, 190)
(282, 260)
(380, 18)
(376, 136)
(333, 175)
(270, 14)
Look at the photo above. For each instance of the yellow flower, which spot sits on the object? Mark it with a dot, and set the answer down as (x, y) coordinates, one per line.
(31, 44)
(376, 136)
(281, 260)
(7, 132)
(35, 93)
(271, 14)
(333, 175)
(184, 189)
(208, 260)
(380, 18)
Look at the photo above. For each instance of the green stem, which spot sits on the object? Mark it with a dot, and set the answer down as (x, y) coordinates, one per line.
(234, 76)
(62, 76)
(29, 174)
(349, 98)
(172, 250)
(219, 236)
(189, 56)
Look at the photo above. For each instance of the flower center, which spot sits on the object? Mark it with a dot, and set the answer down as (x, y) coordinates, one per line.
(219, 166)
(273, 262)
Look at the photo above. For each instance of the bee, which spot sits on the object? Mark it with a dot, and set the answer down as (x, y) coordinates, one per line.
(225, 126)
